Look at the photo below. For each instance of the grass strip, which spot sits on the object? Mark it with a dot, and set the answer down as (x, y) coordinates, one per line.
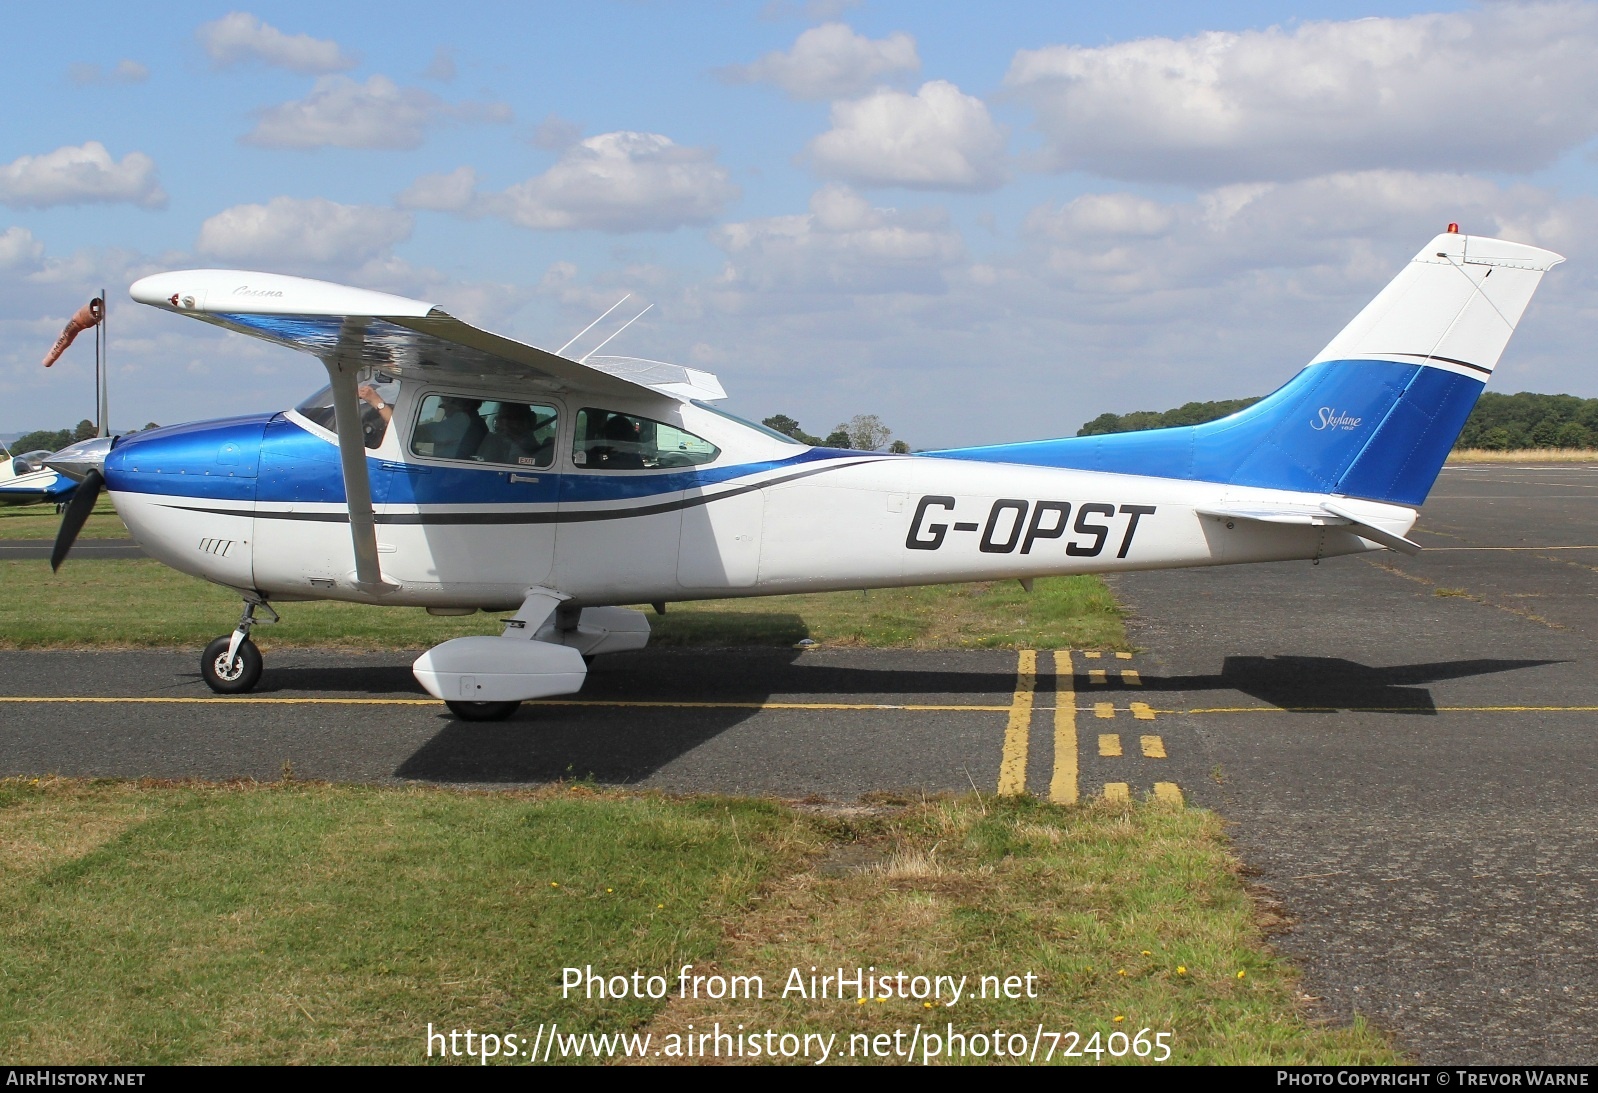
(122, 603)
(42, 522)
(313, 923)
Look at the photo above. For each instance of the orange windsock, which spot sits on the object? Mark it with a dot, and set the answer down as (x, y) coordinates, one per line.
(88, 315)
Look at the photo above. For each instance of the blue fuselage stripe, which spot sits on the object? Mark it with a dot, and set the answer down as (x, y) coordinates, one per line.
(1364, 428)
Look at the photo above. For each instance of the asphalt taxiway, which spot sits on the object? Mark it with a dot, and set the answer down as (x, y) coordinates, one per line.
(1406, 746)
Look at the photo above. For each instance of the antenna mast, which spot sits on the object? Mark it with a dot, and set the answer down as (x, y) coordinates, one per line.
(593, 324)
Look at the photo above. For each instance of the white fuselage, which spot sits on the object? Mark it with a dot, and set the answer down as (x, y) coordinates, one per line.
(765, 517)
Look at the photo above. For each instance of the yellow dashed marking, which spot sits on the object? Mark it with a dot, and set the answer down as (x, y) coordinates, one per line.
(1063, 786)
(1104, 709)
(1130, 678)
(1168, 793)
(1096, 676)
(1141, 711)
(1093, 656)
(1109, 744)
(1123, 656)
(1012, 763)
(1117, 791)
(1153, 747)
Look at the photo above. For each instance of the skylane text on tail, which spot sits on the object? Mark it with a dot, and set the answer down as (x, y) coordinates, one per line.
(453, 469)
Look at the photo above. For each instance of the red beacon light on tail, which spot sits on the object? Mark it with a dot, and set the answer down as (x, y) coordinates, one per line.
(1453, 229)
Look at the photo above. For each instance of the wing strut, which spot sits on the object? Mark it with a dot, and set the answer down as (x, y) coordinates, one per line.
(343, 367)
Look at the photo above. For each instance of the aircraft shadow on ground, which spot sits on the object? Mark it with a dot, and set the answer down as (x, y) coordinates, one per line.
(1320, 684)
(625, 744)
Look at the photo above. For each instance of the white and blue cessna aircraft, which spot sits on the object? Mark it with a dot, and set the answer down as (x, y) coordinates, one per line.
(449, 468)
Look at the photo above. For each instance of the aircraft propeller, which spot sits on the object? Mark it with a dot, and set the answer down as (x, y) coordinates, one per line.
(77, 514)
(81, 462)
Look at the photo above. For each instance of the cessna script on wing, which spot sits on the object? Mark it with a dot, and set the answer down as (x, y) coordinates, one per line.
(1014, 524)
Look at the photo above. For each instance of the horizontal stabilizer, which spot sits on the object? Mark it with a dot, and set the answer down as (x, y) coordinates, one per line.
(1327, 514)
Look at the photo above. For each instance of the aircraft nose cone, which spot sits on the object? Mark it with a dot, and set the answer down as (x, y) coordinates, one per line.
(77, 460)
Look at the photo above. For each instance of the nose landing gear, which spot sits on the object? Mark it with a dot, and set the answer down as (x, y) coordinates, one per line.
(231, 665)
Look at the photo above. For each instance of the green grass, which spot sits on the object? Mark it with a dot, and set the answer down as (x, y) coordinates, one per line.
(42, 522)
(159, 923)
(121, 603)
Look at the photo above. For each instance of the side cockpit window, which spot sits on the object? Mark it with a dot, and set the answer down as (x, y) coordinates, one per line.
(610, 441)
(515, 434)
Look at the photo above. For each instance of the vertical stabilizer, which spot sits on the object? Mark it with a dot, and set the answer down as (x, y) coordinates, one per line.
(1373, 415)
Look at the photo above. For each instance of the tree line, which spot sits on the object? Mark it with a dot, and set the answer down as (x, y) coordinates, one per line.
(863, 432)
(1505, 423)
(53, 440)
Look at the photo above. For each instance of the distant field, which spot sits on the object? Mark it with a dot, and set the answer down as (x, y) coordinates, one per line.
(131, 603)
(150, 923)
(1528, 455)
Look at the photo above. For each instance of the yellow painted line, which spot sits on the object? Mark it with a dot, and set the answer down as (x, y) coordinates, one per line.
(1117, 791)
(1383, 709)
(1130, 678)
(1153, 747)
(257, 700)
(1142, 711)
(1012, 762)
(1093, 656)
(1168, 793)
(1096, 676)
(1123, 656)
(1109, 744)
(1063, 786)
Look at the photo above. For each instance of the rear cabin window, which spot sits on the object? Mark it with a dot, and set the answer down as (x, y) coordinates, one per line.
(512, 434)
(609, 441)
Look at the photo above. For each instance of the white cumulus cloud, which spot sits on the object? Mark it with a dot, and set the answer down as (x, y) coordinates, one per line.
(829, 62)
(937, 139)
(344, 113)
(19, 250)
(451, 192)
(81, 175)
(303, 230)
(125, 71)
(1506, 87)
(239, 36)
(619, 182)
(843, 244)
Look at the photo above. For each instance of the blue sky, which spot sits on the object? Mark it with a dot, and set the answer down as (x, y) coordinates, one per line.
(978, 223)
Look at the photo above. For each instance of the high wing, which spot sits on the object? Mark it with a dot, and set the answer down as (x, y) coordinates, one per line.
(351, 329)
(399, 335)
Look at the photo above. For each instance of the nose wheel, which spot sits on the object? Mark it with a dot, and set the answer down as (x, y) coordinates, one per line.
(231, 665)
(230, 670)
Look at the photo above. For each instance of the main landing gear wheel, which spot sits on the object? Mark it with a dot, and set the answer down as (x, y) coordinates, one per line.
(479, 711)
(231, 679)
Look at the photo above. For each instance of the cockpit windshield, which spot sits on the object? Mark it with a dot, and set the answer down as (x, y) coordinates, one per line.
(378, 392)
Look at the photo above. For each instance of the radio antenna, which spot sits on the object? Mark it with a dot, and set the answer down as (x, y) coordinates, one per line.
(608, 340)
(593, 324)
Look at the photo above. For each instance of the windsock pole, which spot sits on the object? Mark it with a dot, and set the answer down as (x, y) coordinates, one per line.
(102, 374)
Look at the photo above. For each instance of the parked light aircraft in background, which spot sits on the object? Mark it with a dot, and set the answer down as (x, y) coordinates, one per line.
(25, 480)
(450, 468)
